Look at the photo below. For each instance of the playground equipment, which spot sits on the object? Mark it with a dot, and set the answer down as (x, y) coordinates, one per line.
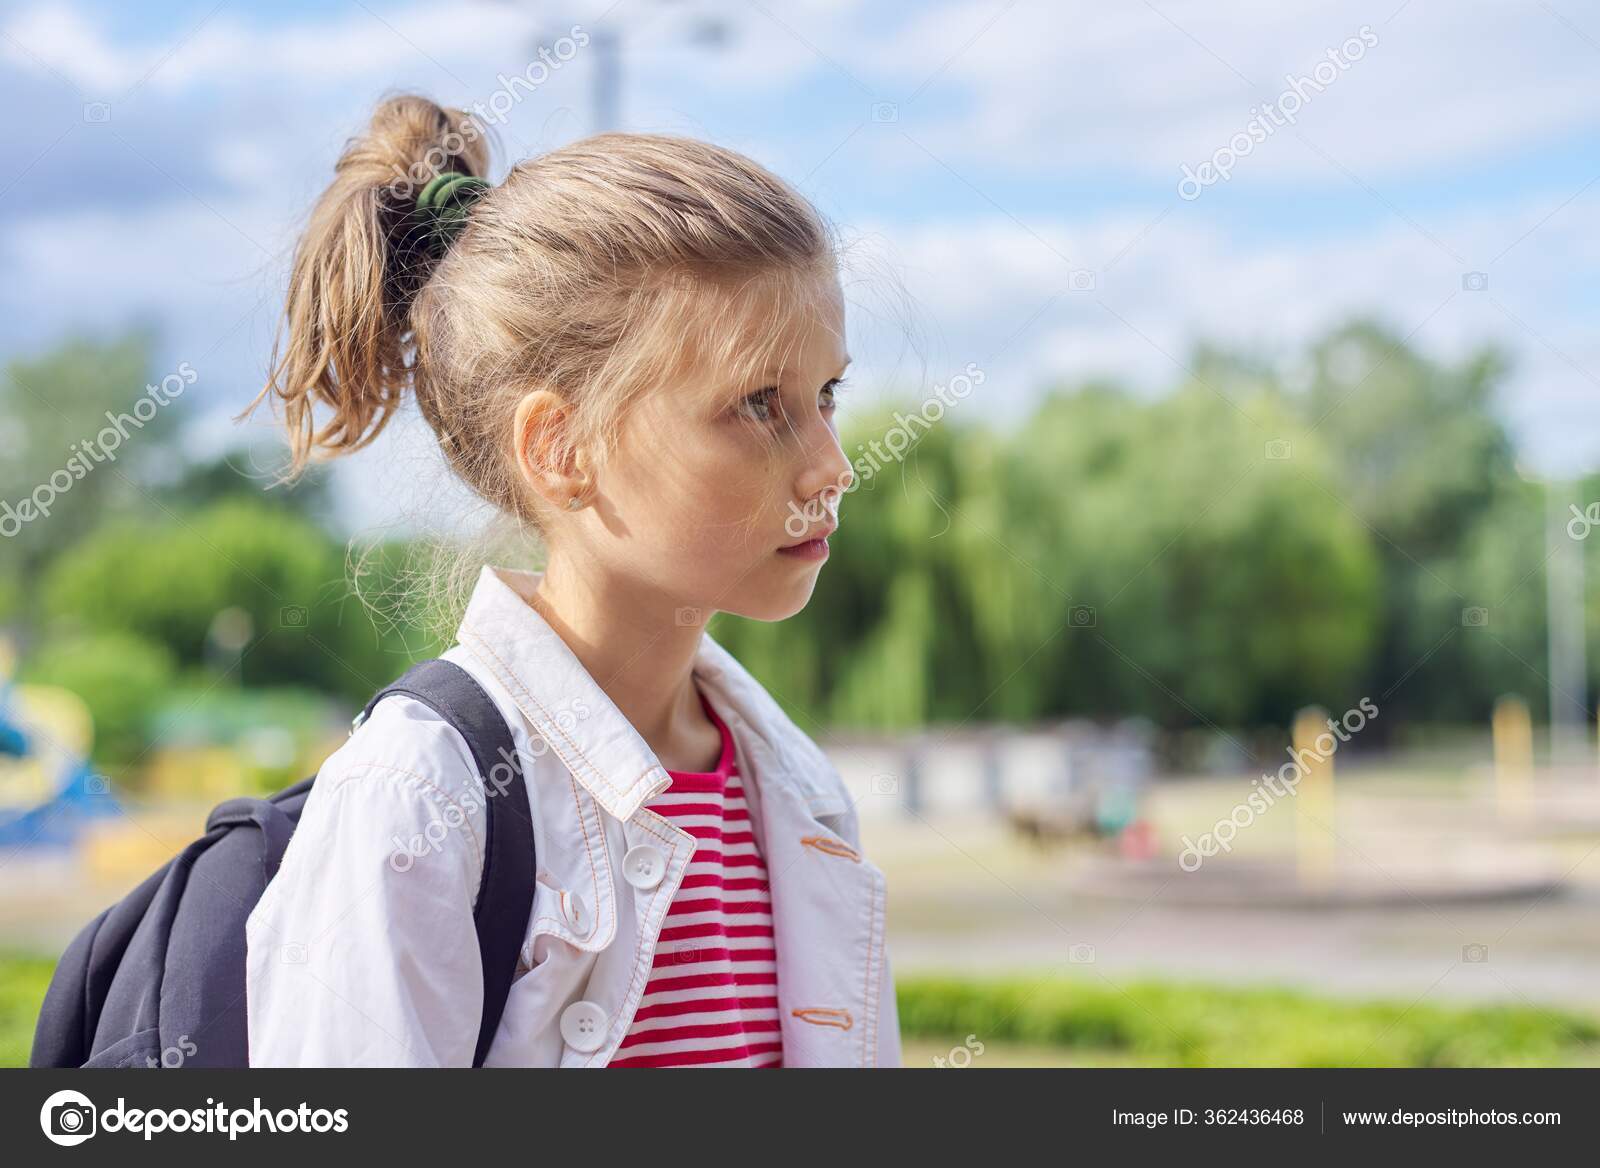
(1097, 794)
(1349, 848)
(1513, 758)
(1315, 838)
(48, 791)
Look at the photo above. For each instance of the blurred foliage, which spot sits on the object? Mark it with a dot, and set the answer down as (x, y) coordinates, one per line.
(1266, 535)
(294, 617)
(1168, 1024)
(1253, 542)
(121, 676)
(135, 602)
(52, 405)
(251, 471)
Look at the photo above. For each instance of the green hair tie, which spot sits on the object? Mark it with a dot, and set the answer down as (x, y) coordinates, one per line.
(443, 205)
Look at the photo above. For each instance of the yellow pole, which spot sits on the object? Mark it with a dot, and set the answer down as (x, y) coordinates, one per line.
(1513, 757)
(1314, 747)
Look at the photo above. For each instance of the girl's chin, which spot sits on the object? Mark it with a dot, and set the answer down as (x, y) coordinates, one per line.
(777, 604)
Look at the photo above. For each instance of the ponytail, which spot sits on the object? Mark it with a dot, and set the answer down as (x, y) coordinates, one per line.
(347, 343)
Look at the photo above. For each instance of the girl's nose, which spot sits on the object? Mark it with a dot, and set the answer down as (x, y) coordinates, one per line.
(827, 472)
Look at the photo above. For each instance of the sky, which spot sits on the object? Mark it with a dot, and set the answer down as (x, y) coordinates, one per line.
(1012, 176)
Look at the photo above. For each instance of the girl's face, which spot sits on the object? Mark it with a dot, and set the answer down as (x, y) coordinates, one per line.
(712, 480)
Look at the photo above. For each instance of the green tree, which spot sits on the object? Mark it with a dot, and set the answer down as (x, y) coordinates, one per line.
(302, 623)
(63, 455)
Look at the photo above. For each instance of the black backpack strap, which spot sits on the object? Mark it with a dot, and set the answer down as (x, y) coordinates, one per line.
(505, 895)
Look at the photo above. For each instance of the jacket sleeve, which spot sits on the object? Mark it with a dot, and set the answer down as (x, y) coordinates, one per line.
(362, 951)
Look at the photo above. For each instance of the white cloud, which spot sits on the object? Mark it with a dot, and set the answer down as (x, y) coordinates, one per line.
(978, 283)
(1061, 88)
(1036, 86)
(59, 39)
(355, 45)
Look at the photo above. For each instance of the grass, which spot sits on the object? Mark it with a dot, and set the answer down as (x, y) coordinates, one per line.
(1167, 1024)
(1066, 1022)
(23, 980)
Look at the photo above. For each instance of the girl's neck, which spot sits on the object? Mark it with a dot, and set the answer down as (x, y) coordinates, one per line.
(631, 641)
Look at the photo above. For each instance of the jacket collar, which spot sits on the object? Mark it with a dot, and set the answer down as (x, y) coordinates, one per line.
(584, 728)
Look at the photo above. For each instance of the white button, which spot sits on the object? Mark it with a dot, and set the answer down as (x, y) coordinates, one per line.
(583, 1026)
(644, 866)
(577, 912)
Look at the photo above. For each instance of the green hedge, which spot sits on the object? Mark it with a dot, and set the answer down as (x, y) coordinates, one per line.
(1138, 1023)
(1173, 1024)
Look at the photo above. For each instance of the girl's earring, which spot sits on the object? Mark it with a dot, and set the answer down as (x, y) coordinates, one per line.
(574, 503)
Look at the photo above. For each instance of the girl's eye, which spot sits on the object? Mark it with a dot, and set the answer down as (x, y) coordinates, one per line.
(762, 404)
(759, 404)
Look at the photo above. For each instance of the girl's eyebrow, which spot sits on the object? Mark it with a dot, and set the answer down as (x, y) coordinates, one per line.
(781, 373)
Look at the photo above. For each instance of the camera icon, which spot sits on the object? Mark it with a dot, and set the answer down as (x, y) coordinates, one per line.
(686, 952)
(1278, 449)
(1081, 280)
(68, 1118)
(96, 111)
(1475, 282)
(72, 1119)
(1081, 954)
(293, 953)
(1475, 618)
(1475, 954)
(1083, 616)
(885, 112)
(687, 616)
(292, 616)
(884, 784)
(97, 785)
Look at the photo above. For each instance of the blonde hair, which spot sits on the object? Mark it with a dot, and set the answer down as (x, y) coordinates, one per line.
(597, 270)
(593, 270)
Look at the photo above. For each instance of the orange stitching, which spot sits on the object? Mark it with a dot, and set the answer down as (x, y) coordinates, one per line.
(511, 680)
(866, 983)
(594, 876)
(825, 1016)
(588, 851)
(825, 843)
(588, 765)
(869, 1045)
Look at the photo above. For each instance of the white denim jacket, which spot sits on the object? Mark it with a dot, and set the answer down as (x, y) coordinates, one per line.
(362, 951)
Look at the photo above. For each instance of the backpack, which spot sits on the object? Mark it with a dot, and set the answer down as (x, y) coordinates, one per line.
(158, 979)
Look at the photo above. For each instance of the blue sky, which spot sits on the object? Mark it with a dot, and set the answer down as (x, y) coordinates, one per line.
(1024, 142)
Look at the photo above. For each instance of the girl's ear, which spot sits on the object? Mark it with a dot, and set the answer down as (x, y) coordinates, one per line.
(546, 450)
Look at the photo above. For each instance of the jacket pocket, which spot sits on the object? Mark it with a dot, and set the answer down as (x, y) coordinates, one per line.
(566, 915)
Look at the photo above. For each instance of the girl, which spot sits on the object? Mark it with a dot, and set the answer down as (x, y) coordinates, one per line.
(631, 348)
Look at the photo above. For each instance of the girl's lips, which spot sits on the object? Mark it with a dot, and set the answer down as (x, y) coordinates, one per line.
(812, 549)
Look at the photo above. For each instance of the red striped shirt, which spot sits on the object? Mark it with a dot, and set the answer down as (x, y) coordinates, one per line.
(712, 997)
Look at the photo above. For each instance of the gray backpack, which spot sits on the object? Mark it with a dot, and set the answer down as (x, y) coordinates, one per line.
(158, 979)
